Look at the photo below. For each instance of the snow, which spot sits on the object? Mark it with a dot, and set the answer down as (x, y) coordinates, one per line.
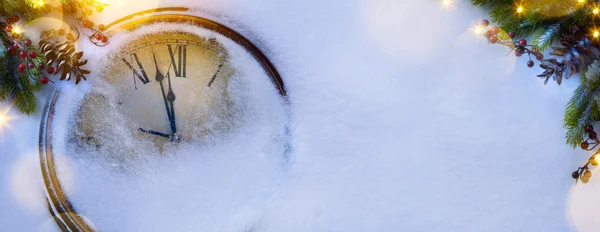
(401, 120)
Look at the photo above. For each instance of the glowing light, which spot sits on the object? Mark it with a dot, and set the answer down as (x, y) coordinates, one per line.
(41, 3)
(446, 3)
(595, 11)
(581, 1)
(520, 9)
(596, 34)
(5, 119)
(17, 30)
(478, 29)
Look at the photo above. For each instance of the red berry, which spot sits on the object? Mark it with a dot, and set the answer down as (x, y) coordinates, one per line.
(585, 145)
(44, 80)
(530, 63)
(61, 31)
(588, 128)
(495, 30)
(51, 70)
(493, 39)
(3, 25)
(575, 175)
(15, 18)
(27, 42)
(33, 54)
(485, 22)
(519, 52)
(31, 65)
(105, 39)
(488, 33)
(99, 36)
(10, 49)
(13, 52)
(42, 66)
(21, 68)
(88, 24)
(23, 54)
(534, 49)
(16, 45)
(511, 34)
(523, 42)
(593, 135)
(9, 28)
(539, 56)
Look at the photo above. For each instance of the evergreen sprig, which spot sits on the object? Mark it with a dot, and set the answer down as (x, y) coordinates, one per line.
(582, 109)
(22, 65)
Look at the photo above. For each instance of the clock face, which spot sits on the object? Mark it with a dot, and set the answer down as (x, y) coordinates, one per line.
(179, 122)
(161, 91)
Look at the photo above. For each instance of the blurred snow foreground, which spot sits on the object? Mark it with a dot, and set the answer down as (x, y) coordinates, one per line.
(401, 120)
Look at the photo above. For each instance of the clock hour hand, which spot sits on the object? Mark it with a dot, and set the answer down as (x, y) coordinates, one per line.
(155, 133)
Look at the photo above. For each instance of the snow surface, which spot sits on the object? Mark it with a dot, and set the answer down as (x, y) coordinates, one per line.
(402, 120)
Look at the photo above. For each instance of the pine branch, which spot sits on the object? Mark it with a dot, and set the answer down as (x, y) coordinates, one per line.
(545, 36)
(491, 2)
(582, 109)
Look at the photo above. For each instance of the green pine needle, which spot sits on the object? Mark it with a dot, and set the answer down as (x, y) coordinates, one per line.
(582, 109)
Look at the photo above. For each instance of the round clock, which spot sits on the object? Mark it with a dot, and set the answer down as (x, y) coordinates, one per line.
(177, 92)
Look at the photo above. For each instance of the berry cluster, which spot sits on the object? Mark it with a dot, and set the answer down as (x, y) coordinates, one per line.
(81, 10)
(9, 26)
(495, 36)
(584, 172)
(27, 55)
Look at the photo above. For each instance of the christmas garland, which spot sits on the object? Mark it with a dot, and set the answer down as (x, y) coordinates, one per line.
(567, 31)
(24, 67)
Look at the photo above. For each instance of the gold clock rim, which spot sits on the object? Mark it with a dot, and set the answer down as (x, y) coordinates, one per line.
(65, 216)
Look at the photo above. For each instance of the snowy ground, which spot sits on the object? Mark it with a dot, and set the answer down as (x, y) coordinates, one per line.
(402, 121)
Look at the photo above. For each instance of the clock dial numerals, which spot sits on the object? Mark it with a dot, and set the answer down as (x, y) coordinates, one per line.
(178, 59)
(143, 77)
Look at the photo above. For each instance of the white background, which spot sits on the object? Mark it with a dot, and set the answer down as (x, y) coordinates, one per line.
(402, 121)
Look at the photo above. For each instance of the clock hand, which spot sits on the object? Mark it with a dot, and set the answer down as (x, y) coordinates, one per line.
(155, 133)
(171, 99)
(160, 77)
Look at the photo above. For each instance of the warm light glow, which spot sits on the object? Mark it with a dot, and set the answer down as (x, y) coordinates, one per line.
(478, 29)
(446, 2)
(581, 1)
(41, 3)
(596, 34)
(17, 30)
(5, 119)
(595, 11)
(520, 9)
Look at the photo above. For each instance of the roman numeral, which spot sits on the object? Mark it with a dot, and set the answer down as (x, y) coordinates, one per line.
(180, 66)
(143, 77)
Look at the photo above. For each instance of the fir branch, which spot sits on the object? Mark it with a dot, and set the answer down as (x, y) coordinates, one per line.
(545, 36)
(582, 109)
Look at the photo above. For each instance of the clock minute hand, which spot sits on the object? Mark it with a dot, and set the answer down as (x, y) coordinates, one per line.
(160, 77)
(171, 99)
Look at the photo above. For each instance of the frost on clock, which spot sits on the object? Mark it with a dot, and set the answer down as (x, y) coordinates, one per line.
(238, 151)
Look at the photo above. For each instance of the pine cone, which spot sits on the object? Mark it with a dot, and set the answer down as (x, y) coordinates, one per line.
(68, 61)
